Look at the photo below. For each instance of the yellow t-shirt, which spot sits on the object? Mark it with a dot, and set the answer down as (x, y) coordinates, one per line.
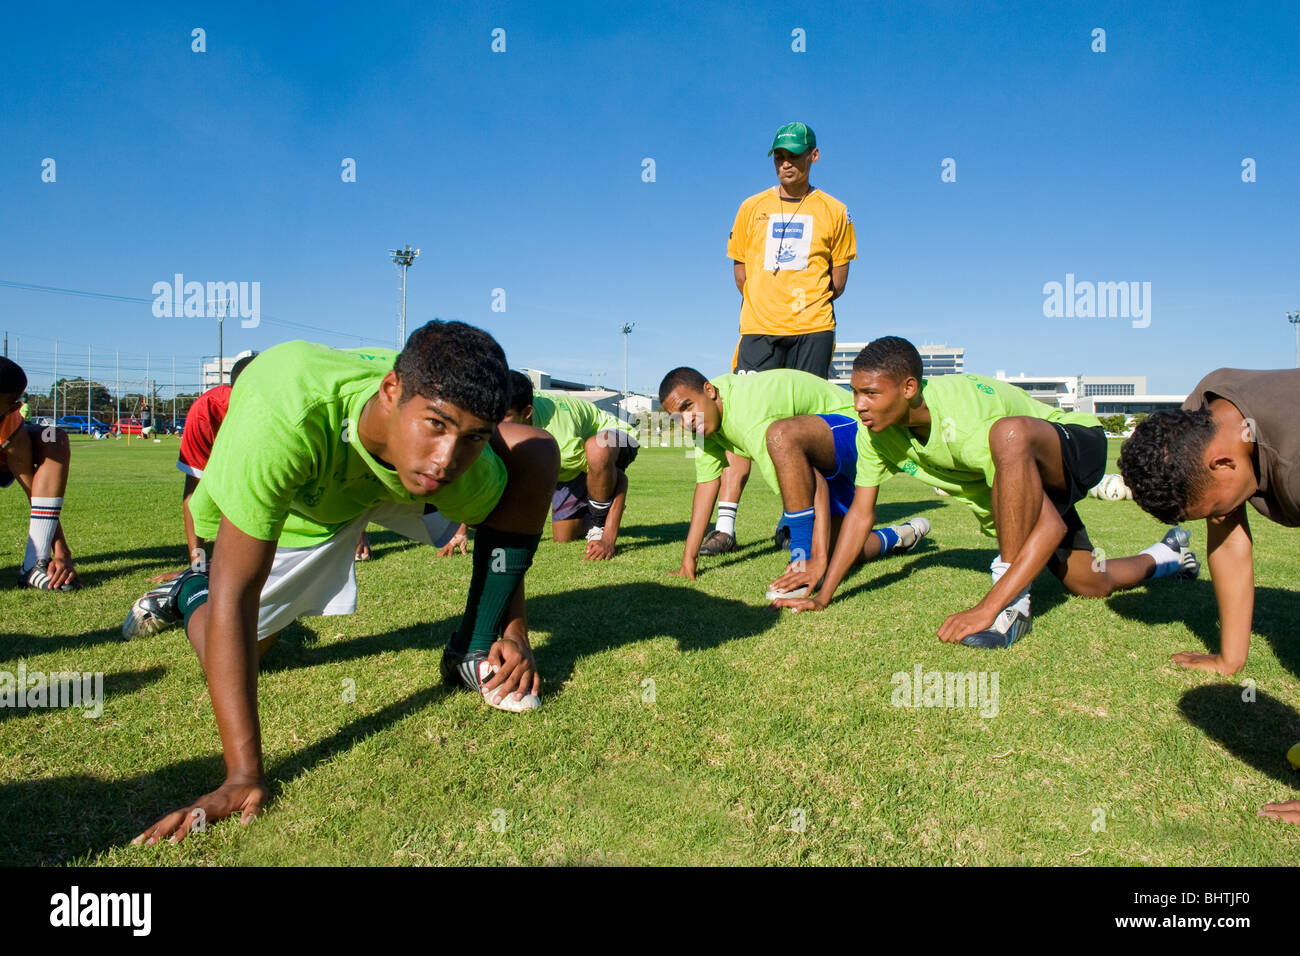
(788, 247)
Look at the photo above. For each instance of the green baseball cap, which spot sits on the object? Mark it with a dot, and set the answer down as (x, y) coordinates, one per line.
(793, 138)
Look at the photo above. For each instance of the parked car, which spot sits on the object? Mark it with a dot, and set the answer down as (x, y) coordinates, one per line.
(128, 426)
(41, 421)
(81, 425)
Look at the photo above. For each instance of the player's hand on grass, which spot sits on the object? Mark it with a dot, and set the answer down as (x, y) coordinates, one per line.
(1204, 662)
(800, 574)
(458, 540)
(1288, 811)
(166, 576)
(516, 670)
(599, 551)
(248, 799)
(957, 626)
(687, 570)
(62, 572)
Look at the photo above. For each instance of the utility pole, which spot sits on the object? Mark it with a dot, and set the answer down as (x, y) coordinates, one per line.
(404, 258)
(1294, 318)
(56, 381)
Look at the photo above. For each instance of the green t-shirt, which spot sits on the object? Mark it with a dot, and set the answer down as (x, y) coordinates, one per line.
(956, 458)
(571, 421)
(753, 401)
(286, 464)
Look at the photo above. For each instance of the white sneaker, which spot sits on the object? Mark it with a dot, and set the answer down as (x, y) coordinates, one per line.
(910, 533)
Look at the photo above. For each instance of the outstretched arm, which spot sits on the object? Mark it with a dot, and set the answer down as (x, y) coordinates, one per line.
(706, 493)
(226, 630)
(1232, 569)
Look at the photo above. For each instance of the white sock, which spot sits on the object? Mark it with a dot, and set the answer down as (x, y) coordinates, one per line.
(41, 531)
(999, 568)
(1166, 558)
(727, 517)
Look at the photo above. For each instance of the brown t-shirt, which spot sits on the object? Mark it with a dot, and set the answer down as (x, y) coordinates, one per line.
(1271, 401)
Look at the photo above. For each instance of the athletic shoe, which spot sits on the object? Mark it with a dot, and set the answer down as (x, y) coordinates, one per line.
(38, 577)
(595, 533)
(910, 533)
(158, 609)
(1179, 540)
(1009, 627)
(718, 542)
(473, 670)
(782, 537)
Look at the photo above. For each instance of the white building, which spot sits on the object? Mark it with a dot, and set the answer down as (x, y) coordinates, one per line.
(212, 377)
(1096, 394)
(935, 360)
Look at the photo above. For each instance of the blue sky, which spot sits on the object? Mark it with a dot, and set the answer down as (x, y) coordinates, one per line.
(522, 171)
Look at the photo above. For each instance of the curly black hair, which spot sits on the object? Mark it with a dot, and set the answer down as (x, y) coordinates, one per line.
(13, 380)
(521, 392)
(457, 363)
(678, 377)
(1163, 461)
(893, 355)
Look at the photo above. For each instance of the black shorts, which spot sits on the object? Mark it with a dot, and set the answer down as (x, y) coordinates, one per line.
(569, 500)
(807, 353)
(1083, 459)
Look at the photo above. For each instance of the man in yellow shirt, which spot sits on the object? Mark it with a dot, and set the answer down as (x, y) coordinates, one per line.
(790, 247)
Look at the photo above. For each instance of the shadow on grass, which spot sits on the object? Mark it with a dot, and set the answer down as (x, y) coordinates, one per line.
(298, 646)
(87, 816)
(1256, 732)
(15, 646)
(155, 559)
(1048, 592)
(581, 622)
(115, 685)
(591, 620)
(1193, 603)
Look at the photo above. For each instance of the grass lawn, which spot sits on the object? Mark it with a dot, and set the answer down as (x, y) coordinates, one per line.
(682, 722)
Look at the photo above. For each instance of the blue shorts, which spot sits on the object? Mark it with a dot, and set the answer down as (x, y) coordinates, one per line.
(841, 480)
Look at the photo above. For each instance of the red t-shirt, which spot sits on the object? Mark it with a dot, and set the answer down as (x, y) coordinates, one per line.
(201, 425)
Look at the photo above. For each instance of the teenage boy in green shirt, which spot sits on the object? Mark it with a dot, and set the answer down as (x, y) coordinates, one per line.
(800, 432)
(318, 442)
(1020, 465)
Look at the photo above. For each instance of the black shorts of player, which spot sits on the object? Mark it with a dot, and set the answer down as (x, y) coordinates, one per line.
(570, 497)
(1083, 460)
(807, 353)
(6, 476)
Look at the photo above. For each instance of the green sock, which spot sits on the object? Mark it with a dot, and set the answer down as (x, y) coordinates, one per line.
(193, 595)
(500, 560)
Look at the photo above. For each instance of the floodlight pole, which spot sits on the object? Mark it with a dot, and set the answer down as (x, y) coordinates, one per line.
(1294, 318)
(404, 258)
(626, 329)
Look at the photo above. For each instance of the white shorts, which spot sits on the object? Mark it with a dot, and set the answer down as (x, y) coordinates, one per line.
(306, 582)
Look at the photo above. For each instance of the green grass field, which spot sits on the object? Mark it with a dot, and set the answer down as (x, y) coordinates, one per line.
(683, 722)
